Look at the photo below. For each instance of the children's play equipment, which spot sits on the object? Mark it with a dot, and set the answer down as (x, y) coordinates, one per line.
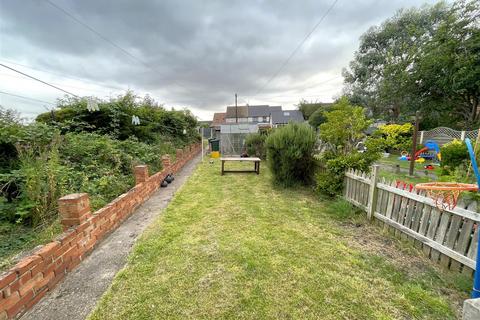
(445, 195)
(430, 151)
(426, 154)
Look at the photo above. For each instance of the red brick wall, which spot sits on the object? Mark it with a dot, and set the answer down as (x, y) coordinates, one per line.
(30, 279)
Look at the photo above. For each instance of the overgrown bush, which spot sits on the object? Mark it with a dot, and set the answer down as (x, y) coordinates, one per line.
(329, 181)
(290, 154)
(255, 145)
(114, 118)
(454, 154)
(81, 151)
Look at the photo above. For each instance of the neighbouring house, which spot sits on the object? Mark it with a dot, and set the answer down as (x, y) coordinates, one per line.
(237, 122)
(250, 114)
(237, 114)
(283, 117)
(218, 120)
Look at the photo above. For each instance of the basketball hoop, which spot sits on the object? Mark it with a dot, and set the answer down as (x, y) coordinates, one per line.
(445, 194)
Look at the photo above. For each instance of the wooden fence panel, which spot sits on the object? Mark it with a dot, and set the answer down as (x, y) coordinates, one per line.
(448, 237)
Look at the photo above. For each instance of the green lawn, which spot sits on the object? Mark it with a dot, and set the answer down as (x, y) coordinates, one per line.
(233, 247)
(419, 172)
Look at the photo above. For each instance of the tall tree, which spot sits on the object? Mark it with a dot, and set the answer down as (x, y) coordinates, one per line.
(447, 70)
(379, 76)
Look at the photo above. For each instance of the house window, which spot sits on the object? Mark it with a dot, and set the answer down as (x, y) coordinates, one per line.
(260, 119)
(286, 114)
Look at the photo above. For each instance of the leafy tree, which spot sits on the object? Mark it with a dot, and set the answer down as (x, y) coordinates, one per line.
(318, 117)
(344, 127)
(379, 77)
(447, 69)
(309, 108)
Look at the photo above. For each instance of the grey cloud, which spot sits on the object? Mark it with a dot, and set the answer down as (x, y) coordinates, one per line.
(198, 52)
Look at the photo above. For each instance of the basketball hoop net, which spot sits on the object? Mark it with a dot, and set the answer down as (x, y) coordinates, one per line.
(445, 194)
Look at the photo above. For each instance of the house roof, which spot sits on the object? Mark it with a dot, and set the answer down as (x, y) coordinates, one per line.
(261, 110)
(285, 116)
(218, 118)
(240, 112)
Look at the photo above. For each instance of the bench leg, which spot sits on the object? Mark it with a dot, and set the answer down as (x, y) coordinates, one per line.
(258, 167)
(223, 164)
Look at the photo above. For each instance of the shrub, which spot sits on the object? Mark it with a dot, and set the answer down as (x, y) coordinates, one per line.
(330, 180)
(255, 144)
(396, 137)
(454, 154)
(290, 154)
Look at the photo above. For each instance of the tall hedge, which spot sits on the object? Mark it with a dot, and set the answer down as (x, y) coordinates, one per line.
(290, 154)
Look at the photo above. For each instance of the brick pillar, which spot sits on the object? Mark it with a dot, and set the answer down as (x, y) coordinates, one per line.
(141, 173)
(74, 209)
(179, 154)
(166, 161)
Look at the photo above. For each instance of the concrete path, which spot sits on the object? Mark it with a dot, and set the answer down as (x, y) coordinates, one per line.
(76, 296)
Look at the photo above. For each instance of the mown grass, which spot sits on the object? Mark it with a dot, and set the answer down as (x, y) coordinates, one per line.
(234, 247)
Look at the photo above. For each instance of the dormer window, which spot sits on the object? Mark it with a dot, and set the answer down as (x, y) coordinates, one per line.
(286, 114)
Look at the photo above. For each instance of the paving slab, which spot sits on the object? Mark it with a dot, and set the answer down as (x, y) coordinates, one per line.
(77, 295)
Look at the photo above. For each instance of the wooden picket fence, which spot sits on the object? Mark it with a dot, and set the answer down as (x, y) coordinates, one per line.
(448, 237)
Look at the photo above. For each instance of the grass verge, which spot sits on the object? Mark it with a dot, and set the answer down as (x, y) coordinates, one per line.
(234, 247)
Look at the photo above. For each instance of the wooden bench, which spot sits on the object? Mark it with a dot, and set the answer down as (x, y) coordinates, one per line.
(256, 162)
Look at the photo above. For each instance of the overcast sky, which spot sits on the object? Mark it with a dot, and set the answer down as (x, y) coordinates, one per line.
(184, 53)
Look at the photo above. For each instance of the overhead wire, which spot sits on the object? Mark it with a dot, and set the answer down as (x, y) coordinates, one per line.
(26, 98)
(284, 64)
(61, 75)
(63, 85)
(39, 80)
(105, 38)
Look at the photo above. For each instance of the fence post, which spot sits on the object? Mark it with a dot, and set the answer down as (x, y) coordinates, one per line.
(462, 135)
(421, 137)
(372, 193)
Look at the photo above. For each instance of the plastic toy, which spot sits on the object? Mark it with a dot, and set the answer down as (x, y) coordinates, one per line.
(404, 156)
